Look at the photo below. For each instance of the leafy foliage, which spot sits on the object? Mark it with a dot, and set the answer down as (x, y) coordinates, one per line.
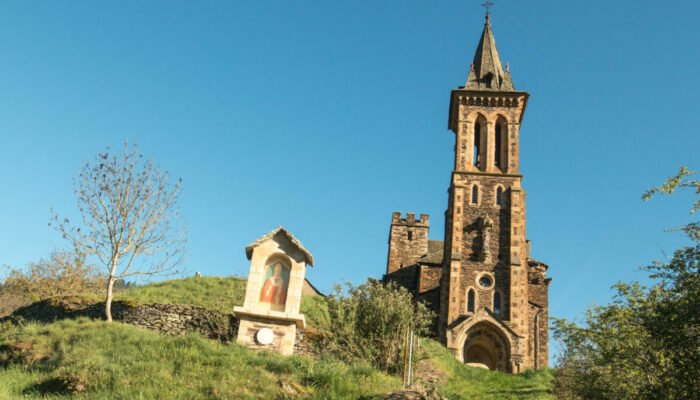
(370, 323)
(646, 344)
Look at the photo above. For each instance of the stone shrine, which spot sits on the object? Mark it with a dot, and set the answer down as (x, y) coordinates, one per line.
(270, 316)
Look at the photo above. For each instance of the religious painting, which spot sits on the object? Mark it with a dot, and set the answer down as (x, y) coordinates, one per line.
(274, 290)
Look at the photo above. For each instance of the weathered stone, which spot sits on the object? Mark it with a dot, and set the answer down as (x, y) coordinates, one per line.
(158, 317)
(491, 297)
(273, 292)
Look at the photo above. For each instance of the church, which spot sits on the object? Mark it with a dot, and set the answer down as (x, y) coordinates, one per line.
(490, 297)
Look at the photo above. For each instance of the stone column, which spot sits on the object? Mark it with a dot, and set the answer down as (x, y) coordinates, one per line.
(513, 149)
(489, 146)
(464, 160)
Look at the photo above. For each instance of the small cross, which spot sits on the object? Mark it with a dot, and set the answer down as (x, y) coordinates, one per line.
(488, 4)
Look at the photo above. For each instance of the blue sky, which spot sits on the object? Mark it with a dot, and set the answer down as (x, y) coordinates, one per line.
(325, 117)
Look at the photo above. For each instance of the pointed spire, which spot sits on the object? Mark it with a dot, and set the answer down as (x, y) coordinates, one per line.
(487, 71)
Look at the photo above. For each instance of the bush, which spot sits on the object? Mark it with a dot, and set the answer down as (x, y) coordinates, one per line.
(645, 343)
(10, 301)
(370, 323)
(63, 273)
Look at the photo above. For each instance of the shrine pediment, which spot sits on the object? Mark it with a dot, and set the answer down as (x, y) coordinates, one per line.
(285, 237)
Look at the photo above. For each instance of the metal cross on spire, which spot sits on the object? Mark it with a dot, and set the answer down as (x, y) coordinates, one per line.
(488, 4)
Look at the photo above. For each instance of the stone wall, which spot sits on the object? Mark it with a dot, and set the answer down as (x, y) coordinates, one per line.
(429, 277)
(166, 319)
(538, 291)
(408, 240)
(473, 262)
(406, 277)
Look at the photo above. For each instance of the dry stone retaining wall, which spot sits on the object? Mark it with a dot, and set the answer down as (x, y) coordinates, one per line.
(166, 319)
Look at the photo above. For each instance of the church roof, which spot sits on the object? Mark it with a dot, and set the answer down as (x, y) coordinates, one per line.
(486, 71)
(280, 231)
(435, 252)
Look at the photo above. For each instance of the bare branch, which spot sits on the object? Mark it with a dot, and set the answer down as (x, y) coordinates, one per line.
(129, 214)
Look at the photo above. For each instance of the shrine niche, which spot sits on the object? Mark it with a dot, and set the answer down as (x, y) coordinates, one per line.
(270, 314)
(274, 290)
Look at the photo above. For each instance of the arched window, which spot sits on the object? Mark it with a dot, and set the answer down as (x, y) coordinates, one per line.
(470, 301)
(475, 194)
(273, 294)
(477, 142)
(497, 150)
(497, 303)
(499, 196)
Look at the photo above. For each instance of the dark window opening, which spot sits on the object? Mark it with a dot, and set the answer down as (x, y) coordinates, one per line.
(488, 79)
(497, 158)
(470, 301)
(477, 142)
(475, 194)
(485, 281)
(410, 235)
(497, 303)
(499, 196)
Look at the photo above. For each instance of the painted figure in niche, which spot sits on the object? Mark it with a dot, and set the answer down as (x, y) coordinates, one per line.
(274, 290)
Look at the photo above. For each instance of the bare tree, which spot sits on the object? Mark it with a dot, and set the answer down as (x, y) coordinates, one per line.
(129, 210)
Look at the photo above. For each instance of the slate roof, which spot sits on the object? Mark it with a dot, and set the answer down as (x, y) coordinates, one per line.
(486, 71)
(435, 252)
(280, 231)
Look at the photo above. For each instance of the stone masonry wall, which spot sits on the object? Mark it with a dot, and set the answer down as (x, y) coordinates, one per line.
(408, 241)
(473, 265)
(166, 319)
(429, 277)
(538, 292)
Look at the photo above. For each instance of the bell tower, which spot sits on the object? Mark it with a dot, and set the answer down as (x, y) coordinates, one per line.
(484, 314)
(491, 298)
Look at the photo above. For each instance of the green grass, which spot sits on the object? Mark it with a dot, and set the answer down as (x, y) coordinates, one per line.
(215, 293)
(119, 361)
(465, 382)
(211, 292)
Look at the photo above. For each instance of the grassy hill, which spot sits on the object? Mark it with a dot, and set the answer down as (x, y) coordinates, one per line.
(214, 293)
(106, 361)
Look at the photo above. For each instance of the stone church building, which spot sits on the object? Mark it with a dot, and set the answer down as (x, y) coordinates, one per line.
(491, 298)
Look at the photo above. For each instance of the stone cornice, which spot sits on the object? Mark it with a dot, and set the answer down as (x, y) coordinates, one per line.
(493, 174)
(487, 98)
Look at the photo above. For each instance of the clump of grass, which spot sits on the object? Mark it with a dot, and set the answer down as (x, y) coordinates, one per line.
(215, 293)
(469, 382)
(114, 360)
(210, 292)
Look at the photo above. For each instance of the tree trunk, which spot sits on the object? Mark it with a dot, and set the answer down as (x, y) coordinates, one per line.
(108, 301)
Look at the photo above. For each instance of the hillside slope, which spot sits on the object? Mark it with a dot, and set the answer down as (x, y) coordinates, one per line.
(214, 293)
(106, 361)
(112, 360)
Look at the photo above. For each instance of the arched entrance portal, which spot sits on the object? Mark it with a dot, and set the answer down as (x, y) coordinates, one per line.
(486, 347)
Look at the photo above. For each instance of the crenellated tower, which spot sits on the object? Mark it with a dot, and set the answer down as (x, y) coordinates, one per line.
(408, 240)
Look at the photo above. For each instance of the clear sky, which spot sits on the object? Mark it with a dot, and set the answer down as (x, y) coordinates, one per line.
(325, 117)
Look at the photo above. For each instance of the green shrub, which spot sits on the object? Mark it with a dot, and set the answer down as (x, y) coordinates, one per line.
(370, 323)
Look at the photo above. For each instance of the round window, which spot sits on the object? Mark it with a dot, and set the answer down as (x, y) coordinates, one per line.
(485, 281)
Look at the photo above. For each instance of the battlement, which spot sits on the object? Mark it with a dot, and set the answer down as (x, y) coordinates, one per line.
(410, 219)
